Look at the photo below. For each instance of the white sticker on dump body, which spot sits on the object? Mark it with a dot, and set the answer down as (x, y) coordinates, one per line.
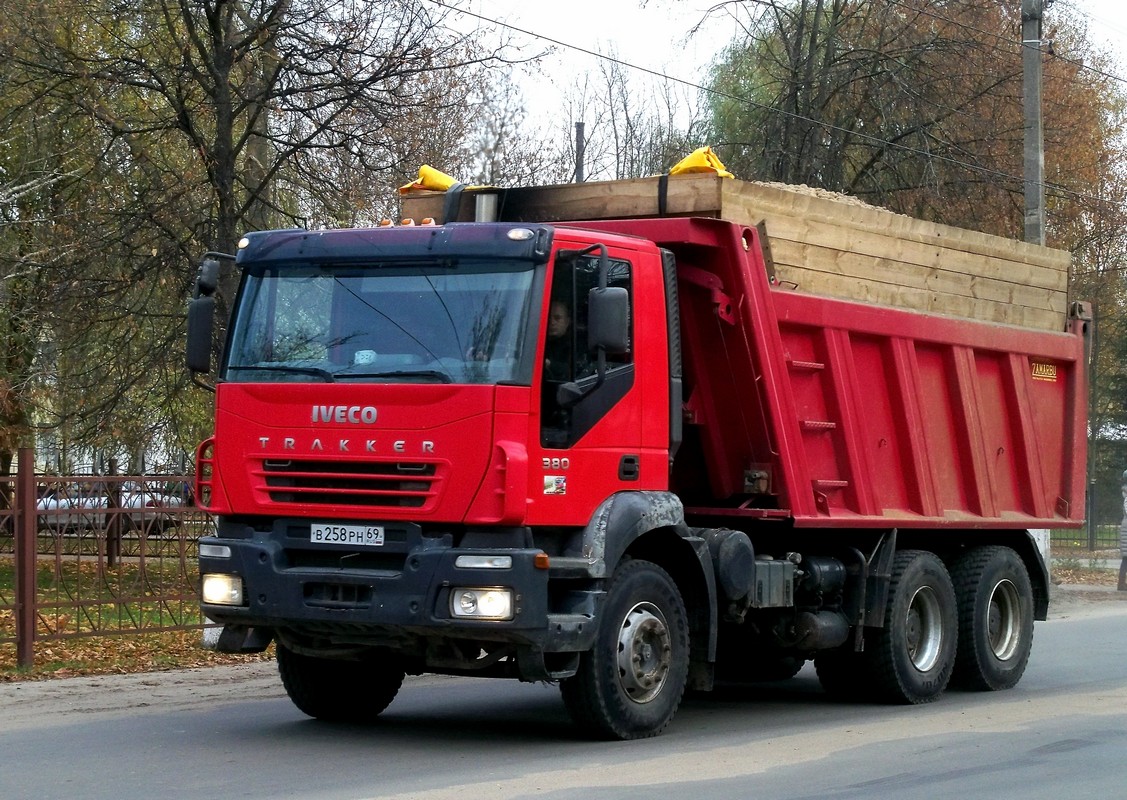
(346, 535)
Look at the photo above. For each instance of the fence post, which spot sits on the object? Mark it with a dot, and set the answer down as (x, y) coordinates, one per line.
(113, 517)
(1090, 513)
(26, 547)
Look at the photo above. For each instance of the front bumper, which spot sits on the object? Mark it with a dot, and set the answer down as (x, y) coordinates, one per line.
(396, 595)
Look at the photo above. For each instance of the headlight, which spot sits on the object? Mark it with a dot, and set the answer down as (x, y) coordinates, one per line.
(481, 603)
(222, 590)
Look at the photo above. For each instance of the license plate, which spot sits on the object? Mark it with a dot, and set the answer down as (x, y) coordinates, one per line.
(346, 535)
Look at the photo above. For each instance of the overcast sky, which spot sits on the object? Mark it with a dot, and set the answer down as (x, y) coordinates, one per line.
(654, 37)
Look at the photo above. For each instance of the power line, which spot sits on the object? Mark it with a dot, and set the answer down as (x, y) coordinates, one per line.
(986, 171)
(1073, 61)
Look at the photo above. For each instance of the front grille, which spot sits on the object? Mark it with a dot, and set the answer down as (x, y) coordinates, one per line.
(337, 595)
(335, 483)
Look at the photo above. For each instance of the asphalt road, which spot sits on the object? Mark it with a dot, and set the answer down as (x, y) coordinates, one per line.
(230, 732)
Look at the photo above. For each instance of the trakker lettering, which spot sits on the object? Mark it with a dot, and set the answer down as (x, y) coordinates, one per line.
(354, 415)
(347, 445)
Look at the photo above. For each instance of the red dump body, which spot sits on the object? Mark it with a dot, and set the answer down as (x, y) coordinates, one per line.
(858, 415)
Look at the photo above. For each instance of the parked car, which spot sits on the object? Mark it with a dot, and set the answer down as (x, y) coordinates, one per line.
(72, 506)
(87, 505)
(151, 510)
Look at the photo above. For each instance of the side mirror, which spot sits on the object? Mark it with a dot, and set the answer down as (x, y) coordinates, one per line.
(608, 320)
(207, 279)
(201, 323)
(201, 317)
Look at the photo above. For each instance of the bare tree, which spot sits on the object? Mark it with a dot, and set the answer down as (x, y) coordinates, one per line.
(185, 123)
(634, 127)
(503, 149)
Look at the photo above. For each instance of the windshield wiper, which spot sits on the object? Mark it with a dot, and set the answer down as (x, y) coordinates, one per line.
(323, 374)
(440, 377)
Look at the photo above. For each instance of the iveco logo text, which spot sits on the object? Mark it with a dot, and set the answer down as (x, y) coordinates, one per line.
(354, 414)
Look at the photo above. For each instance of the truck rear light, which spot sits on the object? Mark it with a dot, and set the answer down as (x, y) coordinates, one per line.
(470, 603)
(484, 562)
(222, 590)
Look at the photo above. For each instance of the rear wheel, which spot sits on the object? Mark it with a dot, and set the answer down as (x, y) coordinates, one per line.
(995, 618)
(337, 690)
(910, 659)
(630, 683)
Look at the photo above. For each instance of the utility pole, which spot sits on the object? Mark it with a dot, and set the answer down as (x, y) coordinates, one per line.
(580, 152)
(1032, 16)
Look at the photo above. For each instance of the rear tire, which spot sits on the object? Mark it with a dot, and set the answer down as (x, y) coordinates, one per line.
(911, 658)
(995, 618)
(336, 690)
(630, 683)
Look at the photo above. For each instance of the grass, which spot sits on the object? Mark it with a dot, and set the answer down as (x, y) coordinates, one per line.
(77, 598)
(96, 619)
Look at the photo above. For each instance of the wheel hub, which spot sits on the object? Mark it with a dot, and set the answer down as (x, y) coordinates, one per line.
(1002, 620)
(644, 653)
(923, 629)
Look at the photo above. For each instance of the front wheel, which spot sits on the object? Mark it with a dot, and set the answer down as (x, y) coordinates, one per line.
(630, 683)
(911, 658)
(995, 618)
(336, 690)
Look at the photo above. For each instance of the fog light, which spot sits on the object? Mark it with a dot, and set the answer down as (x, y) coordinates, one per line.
(484, 562)
(481, 603)
(222, 590)
(215, 551)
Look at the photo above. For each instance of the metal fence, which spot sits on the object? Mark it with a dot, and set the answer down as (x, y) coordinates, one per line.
(1095, 537)
(94, 555)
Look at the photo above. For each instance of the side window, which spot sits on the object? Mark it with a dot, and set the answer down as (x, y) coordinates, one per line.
(619, 275)
(568, 360)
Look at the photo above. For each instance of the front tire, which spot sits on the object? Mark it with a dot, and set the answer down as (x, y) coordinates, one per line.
(336, 690)
(995, 619)
(630, 683)
(911, 658)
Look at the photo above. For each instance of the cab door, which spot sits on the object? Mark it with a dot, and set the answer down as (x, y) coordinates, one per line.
(597, 434)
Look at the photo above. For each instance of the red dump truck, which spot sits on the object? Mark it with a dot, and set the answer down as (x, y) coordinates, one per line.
(619, 456)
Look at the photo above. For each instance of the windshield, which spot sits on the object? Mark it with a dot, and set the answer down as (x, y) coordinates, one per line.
(448, 322)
